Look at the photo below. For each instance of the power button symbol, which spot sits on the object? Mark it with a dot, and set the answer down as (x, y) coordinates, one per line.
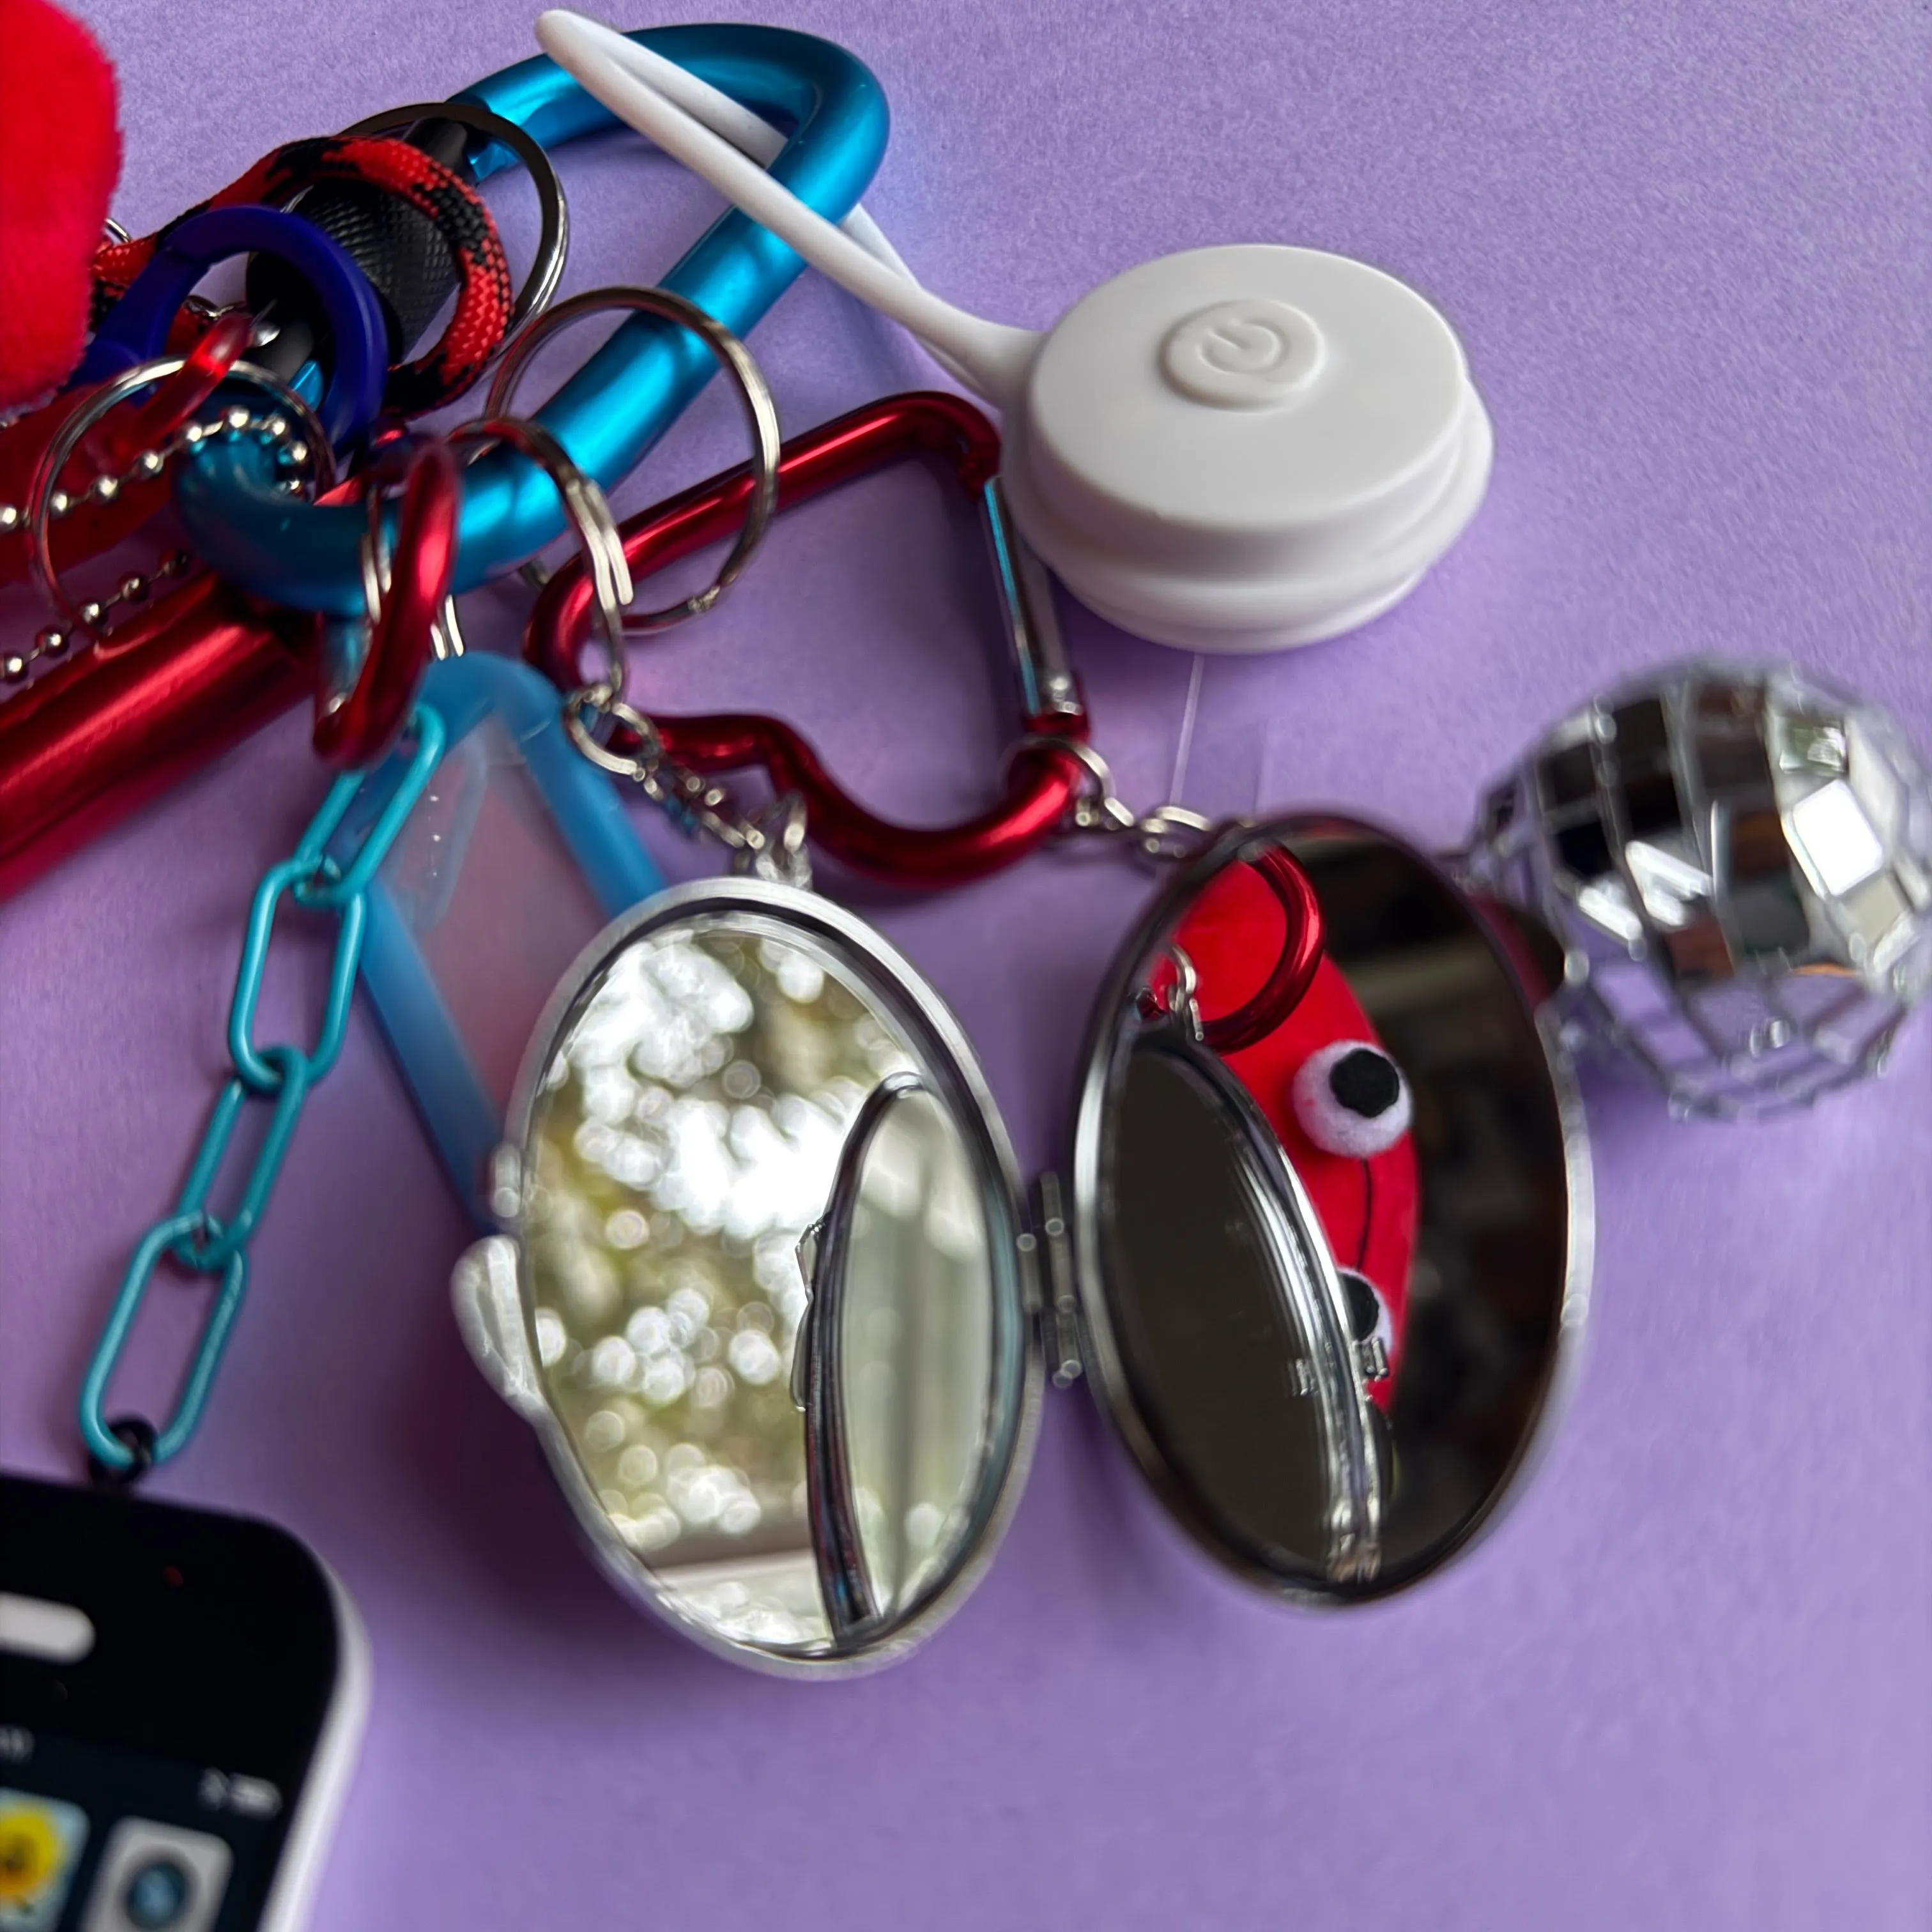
(1252, 354)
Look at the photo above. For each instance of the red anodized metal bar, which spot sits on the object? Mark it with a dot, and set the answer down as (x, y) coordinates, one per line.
(195, 672)
(87, 746)
(1042, 782)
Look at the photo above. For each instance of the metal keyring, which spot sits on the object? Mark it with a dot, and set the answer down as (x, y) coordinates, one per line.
(588, 510)
(1106, 810)
(760, 412)
(357, 722)
(552, 239)
(66, 440)
(446, 634)
(600, 700)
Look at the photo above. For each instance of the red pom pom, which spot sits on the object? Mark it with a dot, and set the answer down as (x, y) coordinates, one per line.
(60, 154)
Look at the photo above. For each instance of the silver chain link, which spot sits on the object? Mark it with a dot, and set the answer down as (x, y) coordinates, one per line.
(237, 419)
(272, 426)
(135, 588)
(1166, 832)
(768, 844)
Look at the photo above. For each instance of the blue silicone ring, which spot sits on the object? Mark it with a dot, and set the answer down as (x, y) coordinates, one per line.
(611, 412)
(136, 329)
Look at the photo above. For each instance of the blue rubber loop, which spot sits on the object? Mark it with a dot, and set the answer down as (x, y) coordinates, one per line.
(615, 407)
(136, 329)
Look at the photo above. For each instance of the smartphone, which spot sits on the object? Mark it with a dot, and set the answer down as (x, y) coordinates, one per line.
(182, 1696)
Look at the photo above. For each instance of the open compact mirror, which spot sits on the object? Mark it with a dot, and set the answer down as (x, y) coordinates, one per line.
(768, 1300)
(769, 1291)
(1332, 1261)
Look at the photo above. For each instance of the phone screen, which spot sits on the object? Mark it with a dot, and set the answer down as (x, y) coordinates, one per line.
(105, 1840)
(167, 1676)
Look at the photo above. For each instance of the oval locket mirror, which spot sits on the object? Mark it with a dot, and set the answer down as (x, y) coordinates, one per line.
(1332, 1255)
(766, 1292)
(766, 1295)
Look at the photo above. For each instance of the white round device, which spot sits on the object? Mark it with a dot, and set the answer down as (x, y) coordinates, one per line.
(1232, 449)
(1239, 448)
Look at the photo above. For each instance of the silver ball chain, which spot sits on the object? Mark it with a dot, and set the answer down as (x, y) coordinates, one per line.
(237, 419)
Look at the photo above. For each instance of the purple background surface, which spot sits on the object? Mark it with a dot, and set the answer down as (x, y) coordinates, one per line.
(1688, 1682)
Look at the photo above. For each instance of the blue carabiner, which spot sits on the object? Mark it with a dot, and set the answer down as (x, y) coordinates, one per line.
(611, 411)
(137, 327)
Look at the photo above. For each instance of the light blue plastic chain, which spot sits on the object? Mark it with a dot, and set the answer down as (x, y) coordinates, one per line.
(279, 1076)
(612, 411)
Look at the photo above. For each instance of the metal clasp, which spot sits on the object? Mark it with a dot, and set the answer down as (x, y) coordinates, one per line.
(1059, 1297)
(1038, 645)
(1045, 773)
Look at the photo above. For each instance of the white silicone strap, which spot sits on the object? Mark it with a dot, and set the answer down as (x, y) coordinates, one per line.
(746, 131)
(735, 123)
(991, 357)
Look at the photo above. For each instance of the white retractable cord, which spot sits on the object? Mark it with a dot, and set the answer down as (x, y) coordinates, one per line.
(1232, 449)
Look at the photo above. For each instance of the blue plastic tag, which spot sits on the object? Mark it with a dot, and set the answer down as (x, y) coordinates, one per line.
(518, 854)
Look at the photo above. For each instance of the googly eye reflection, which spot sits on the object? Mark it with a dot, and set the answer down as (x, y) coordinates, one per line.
(1370, 1322)
(1351, 1099)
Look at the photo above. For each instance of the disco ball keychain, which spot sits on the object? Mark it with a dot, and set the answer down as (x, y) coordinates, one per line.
(1738, 864)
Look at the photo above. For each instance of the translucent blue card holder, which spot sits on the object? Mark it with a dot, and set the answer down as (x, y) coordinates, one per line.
(518, 855)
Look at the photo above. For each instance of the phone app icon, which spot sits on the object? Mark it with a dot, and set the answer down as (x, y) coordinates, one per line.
(40, 1840)
(158, 1878)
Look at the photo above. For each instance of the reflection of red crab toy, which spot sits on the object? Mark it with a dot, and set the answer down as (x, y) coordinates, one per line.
(1328, 1088)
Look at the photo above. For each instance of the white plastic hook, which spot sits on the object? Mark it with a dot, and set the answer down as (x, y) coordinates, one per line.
(1231, 449)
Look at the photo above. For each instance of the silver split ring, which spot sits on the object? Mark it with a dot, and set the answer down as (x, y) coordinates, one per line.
(760, 414)
(66, 440)
(589, 510)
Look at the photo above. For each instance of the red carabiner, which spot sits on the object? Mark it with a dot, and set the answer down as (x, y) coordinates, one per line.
(1297, 960)
(179, 682)
(1042, 781)
(353, 729)
(1293, 969)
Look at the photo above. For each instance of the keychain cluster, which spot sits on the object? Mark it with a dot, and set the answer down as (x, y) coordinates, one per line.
(1341, 1065)
(166, 378)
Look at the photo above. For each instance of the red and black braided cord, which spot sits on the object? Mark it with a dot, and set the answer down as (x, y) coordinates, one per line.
(485, 295)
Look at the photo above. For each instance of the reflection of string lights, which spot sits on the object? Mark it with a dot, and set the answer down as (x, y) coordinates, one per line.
(691, 1129)
(688, 1134)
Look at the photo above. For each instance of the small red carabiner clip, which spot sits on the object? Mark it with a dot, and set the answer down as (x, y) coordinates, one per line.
(1297, 958)
(1042, 780)
(406, 593)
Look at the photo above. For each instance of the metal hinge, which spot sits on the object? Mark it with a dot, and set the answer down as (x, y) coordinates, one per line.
(1059, 1303)
(504, 1186)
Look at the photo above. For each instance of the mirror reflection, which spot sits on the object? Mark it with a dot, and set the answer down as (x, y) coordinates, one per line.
(1394, 1111)
(757, 1254)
